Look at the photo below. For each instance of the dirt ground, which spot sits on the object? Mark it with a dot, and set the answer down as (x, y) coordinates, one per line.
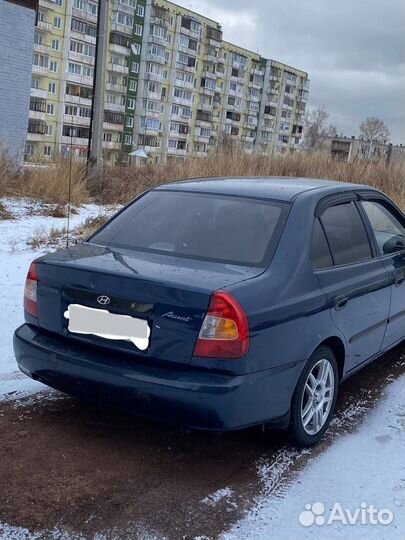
(81, 469)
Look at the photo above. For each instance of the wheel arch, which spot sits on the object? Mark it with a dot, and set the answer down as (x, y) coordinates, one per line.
(338, 347)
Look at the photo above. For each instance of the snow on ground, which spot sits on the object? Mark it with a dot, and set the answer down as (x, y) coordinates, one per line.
(15, 257)
(359, 470)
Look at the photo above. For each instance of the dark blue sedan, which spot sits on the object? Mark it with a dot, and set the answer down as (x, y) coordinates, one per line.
(222, 303)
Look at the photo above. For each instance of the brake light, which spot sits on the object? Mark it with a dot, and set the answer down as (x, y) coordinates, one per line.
(225, 330)
(30, 291)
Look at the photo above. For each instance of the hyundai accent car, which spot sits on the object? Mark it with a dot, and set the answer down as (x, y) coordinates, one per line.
(222, 303)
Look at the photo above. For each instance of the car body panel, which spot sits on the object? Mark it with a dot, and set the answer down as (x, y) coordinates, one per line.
(289, 306)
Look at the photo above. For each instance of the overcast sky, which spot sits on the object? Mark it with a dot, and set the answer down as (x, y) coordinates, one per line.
(353, 51)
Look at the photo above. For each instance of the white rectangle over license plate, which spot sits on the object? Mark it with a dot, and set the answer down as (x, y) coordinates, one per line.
(102, 323)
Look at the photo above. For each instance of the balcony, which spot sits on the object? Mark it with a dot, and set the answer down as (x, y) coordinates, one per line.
(35, 137)
(44, 26)
(155, 77)
(76, 120)
(255, 99)
(118, 68)
(109, 126)
(205, 107)
(77, 57)
(80, 36)
(118, 6)
(155, 58)
(204, 123)
(40, 70)
(41, 48)
(155, 96)
(202, 139)
(210, 75)
(211, 58)
(184, 84)
(77, 100)
(156, 40)
(181, 101)
(207, 91)
(75, 141)
(111, 145)
(275, 78)
(116, 107)
(159, 21)
(111, 87)
(119, 49)
(79, 79)
(37, 92)
(84, 15)
(46, 4)
(37, 115)
(177, 151)
(121, 28)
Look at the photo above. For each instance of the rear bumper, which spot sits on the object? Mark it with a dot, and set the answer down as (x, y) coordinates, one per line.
(197, 399)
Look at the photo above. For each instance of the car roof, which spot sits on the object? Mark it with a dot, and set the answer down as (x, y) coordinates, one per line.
(279, 188)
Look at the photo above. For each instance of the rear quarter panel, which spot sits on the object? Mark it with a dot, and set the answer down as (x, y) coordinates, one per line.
(287, 310)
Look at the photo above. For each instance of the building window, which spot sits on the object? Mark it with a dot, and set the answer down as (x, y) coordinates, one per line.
(47, 151)
(127, 139)
(37, 126)
(138, 30)
(57, 23)
(140, 11)
(136, 48)
(49, 129)
(133, 85)
(135, 67)
(55, 44)
(29, 149)
(53, 66)
(129, 122)
(50, 109)
(131, 103)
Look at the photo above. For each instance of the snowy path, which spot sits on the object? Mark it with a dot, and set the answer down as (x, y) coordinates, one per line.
(367, 466)
(15, 257)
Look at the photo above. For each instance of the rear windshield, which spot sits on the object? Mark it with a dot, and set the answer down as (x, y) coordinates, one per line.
(209, 227)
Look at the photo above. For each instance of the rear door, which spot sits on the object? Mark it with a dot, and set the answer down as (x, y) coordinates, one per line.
(389, 230)
(356, 283)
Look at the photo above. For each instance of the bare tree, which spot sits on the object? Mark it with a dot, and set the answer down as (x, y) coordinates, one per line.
(375, 130)
(317, 130)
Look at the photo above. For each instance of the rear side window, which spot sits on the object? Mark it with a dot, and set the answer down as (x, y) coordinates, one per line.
(346, 234)
(320, 253)
(388, 231)
(231, 230)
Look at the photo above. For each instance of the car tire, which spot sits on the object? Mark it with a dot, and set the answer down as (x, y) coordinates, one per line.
(314, 399)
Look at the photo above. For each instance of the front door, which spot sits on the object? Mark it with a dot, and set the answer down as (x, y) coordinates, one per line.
(389, 231)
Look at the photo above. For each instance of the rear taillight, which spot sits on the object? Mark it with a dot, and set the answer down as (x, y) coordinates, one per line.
(30, 291)
(225, 330)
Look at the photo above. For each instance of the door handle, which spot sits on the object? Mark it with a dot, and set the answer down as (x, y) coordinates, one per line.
(399, 279)
(340, 302)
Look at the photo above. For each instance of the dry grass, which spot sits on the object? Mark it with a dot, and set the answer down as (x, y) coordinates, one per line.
(49, 184)
(121, 184)
(56, 237)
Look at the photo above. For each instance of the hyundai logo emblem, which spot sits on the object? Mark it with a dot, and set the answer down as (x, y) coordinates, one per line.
(103, 300)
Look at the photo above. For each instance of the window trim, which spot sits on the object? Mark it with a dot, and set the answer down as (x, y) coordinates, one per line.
(388, 205)
(336, 200)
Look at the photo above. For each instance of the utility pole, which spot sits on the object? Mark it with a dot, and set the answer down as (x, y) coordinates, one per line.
(95, 150)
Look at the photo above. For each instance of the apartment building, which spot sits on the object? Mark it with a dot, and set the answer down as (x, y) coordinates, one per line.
(172, 85)
(351, 148)
(17, 23)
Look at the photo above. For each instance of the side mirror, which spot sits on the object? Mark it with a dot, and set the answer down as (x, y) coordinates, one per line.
(394, 244)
